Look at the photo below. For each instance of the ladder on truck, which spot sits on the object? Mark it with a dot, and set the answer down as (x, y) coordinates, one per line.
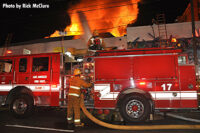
(162, 30)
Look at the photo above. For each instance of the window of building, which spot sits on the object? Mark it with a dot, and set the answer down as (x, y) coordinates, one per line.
(40, 64)
(5, 66)
(23, 65)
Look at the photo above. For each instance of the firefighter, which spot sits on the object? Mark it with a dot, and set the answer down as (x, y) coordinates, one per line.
(74, 99)
(96, 42)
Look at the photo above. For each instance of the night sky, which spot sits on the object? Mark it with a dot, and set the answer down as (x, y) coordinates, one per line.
(32, 23)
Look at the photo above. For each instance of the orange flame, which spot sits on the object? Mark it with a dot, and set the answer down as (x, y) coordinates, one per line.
(103, 15)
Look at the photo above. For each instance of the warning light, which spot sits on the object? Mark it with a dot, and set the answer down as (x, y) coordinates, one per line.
(54, 86)
(8, 52)
(173, 40)
(142, 83)
(178, 45)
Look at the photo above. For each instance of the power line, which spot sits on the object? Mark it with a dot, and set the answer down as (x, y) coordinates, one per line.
(105, 8)
(91, 10)
(113, 27)
(89, 20)
(99, 5)
(103, 28)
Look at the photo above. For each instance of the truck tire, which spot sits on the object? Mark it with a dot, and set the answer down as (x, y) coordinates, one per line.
(21, 106)
(135, 109)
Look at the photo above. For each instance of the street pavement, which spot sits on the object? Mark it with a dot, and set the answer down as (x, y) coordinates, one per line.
(53, 120)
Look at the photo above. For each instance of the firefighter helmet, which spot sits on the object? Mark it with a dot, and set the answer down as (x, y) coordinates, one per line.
(77, 72)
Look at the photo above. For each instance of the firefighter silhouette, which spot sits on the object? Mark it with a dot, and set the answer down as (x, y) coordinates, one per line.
(74, 98)
(96, 42)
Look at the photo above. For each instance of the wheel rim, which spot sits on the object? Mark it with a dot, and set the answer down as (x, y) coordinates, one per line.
(134, 108)
(20, 106)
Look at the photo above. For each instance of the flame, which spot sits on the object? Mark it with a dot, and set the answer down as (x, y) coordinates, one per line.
(103, 15)
(55, 34)
(74, 29)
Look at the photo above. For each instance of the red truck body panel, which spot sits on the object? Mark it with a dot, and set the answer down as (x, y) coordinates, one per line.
(23, 74)
(156, 72)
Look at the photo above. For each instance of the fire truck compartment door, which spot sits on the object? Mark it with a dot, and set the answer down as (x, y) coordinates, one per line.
(167, 94)
(189, 97)
(104, 95)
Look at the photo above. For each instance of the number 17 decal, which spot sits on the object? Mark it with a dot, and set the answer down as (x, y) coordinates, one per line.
(166, 87)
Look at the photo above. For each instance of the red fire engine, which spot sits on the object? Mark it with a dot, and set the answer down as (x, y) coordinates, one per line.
(137, 82)
(29, 80)
(134, 82)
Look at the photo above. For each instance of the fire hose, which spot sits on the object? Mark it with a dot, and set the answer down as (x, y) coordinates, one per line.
(133, 127)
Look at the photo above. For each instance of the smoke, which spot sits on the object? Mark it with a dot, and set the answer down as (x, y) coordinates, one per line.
(86, 29)
(111, 16)
(105, 15)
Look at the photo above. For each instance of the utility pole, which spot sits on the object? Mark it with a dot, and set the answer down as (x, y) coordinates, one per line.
(194, 37)
(62, 33)
(7, 43)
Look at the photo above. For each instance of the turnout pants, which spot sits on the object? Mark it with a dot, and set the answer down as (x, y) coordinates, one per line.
(73, 108)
